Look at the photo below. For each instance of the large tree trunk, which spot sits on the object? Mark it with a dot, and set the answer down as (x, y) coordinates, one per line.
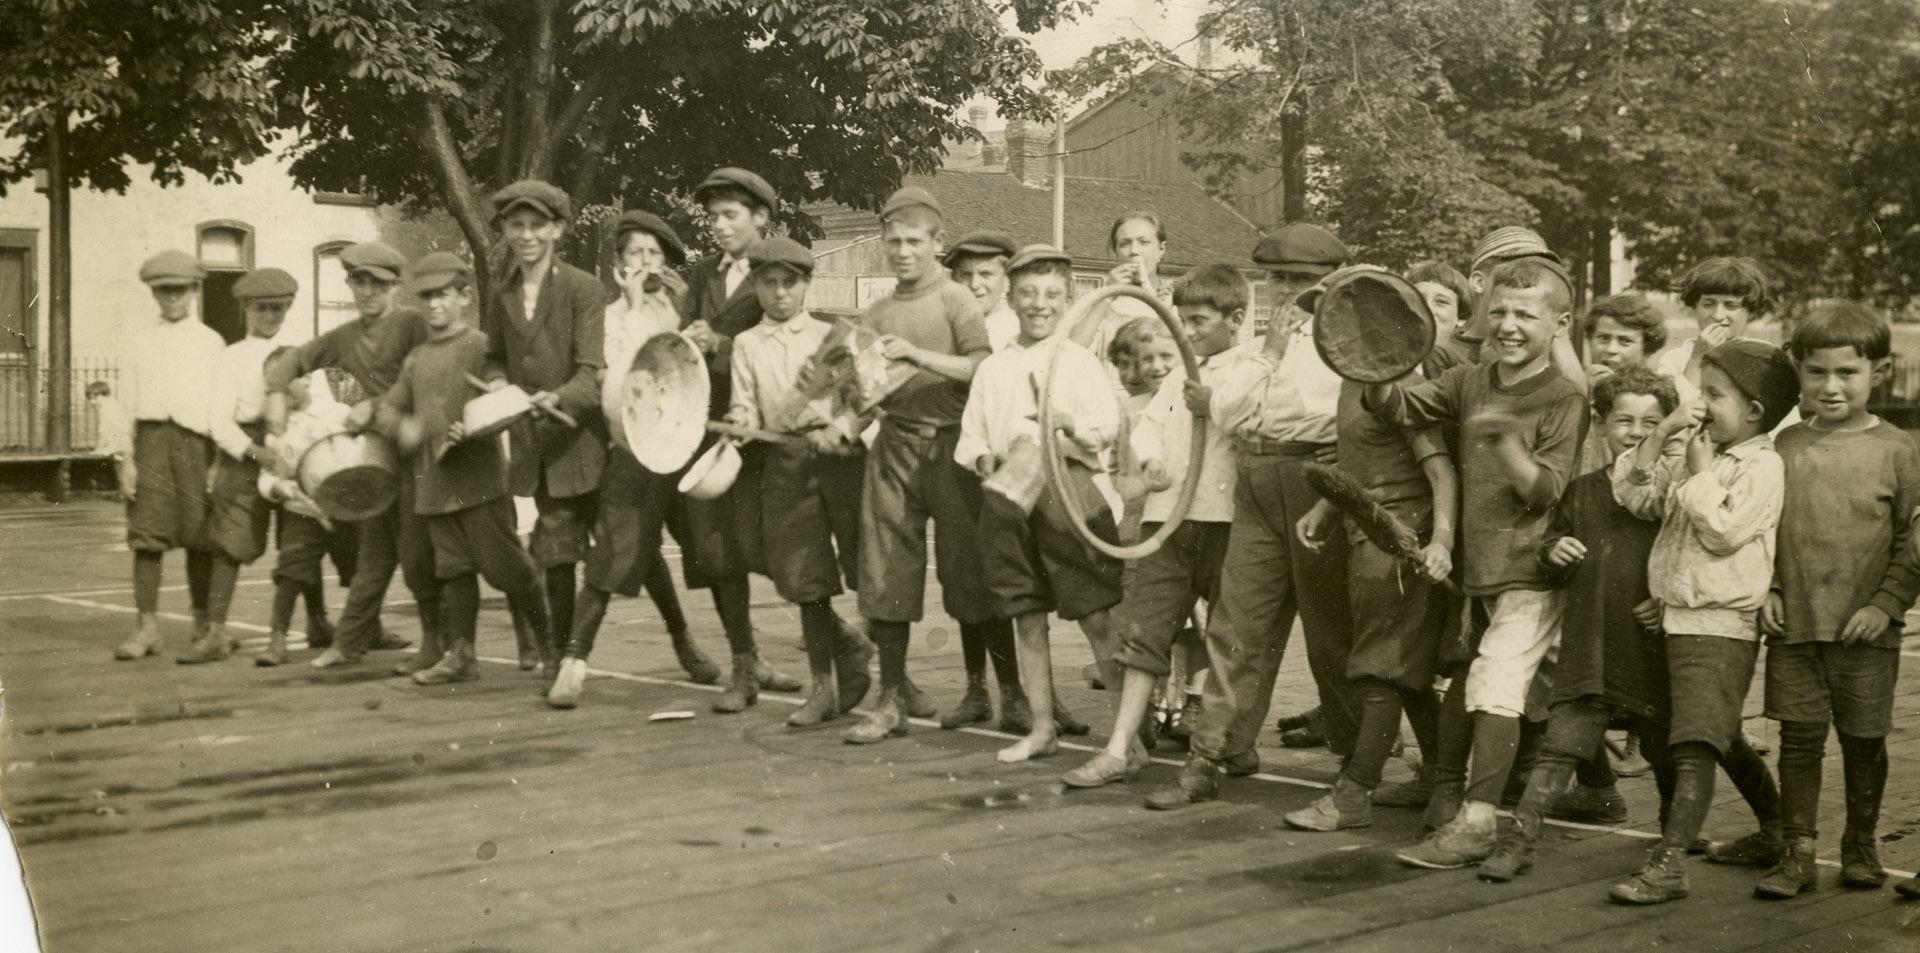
(1600, 260)
(457, 187)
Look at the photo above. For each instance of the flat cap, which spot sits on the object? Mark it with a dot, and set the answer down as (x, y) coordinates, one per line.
(1509, 241)
(172, 268)
(1300, 248)
(638, 221)
(265, 283)
(784, 252)
(737, 178)
(543, 197)
(375, 258)
(980, 243)
(436, 270)
(909, 197)
(1036, 254)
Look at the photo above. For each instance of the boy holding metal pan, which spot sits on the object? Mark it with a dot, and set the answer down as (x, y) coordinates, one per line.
(460, 486)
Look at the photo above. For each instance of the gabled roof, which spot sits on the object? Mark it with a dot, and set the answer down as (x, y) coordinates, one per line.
(1199, 229)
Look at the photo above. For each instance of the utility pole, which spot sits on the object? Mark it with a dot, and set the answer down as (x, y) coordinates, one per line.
(60, 298)
(1060, 182)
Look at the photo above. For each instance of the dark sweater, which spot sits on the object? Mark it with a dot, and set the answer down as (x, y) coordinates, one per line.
(371, 351)
(1603, 651)
(1842, 543)
(433, 390)
(1501, 525)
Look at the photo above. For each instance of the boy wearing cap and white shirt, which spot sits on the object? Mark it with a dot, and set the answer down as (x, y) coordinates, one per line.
(979, 263)
(371, 349)
(545, 328)
(634, 502)
(163, 474)
(1035, 562)
(461, 486)
(238, 516)
(810, 495)
(1278, 406)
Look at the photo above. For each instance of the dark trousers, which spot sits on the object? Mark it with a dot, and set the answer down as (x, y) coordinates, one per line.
(1574, 733)
(397, 537)
(1267, 580)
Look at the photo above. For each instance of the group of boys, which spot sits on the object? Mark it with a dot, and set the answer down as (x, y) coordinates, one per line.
(1601, 543)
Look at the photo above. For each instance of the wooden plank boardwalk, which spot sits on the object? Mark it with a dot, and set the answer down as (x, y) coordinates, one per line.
(227, 808)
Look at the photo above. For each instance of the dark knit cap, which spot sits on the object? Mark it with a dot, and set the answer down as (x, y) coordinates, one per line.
(1763, 373)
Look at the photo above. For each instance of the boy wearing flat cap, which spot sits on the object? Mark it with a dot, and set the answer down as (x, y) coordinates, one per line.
(461, 486)
(635, 503)
(1278, 406)
(164, 474)
(237, 520)
(934, 325)
(544, 323)
(371, 350)
(1035, 561)
(809, 492)
(978, 261)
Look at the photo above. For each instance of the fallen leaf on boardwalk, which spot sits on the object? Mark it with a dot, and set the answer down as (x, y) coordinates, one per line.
(670, 716)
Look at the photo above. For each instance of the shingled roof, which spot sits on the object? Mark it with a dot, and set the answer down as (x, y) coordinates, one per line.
(1199, 229)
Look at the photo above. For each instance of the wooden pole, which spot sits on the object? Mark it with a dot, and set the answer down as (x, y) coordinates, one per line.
(60, 297)
(1060, 183)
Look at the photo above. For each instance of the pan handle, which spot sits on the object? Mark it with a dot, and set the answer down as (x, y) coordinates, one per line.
(751, 433)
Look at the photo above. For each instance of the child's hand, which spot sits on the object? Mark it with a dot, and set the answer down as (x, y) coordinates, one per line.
(1773, 615)
(1199, 398)
(409, 434)
(1566, 552)
(1156, 476)
(740, 417)
(1131, 487)
(1700, 452)
(1492, 427)
(827, 440)
(456, 432)
(986, 465)
(1865, 626)
(703, 336)
(1437, 561)
(1688, 414)
(360, 417)
(1312, 529)
(1649, 614)
(129, 477)
(1714, 335)
(899, 349)
(1597, 373)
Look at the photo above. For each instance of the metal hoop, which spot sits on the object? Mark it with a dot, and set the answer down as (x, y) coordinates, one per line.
(1054, 464)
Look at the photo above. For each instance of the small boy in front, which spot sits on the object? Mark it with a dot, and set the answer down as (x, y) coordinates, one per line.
(543, 324)
(1720, 491)
(1399, 611)
(1162, 586)
(303, 537)
(978, 262)
(809, 495)
(1036, 563)
(912, 477)
(1611, 666)
(163, 475)
(237, 517)
(460, 486)
(1520, 422)
(1842, 583)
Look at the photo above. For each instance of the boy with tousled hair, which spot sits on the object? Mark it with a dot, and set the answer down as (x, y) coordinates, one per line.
(461, 486)
(1724, 295)
(1447, 294)
(1833, 623)
(1035, 563)
(1719, 491)
(1162, 587)
(1520, 421)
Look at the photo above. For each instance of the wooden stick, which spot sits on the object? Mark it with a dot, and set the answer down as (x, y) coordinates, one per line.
(553, 411)
(751, 433)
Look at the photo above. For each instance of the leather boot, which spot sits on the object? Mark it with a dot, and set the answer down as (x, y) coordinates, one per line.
(319, 633)
(1016, 716)
(742, 690)
(275, 653)
(145, 640)
(915, 702)
(523, 642)
(852, 654)
(772, 679)
(1663, 878)
(210, 646)
(975, 706)
(1860, 862)
(1183, 724)
(1346, 806)
(569, 685)
(1792, 876)
(385, 641)
(700, 669)
(1199, 780)
(432, 642)
(885, 720)
(820, 703)
(456, 665)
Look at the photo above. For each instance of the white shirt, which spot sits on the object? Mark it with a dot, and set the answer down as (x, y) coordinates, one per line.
(167, 376)
(1002, 403)
(1002, 327)
(1164, 433)
(1295, 399)
(239, 392)
(735, 272)
(767, 359)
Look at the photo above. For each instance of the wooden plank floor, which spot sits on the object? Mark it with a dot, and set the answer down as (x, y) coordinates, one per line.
(227, 808)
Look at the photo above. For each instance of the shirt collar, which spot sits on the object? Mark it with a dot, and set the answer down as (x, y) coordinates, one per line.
(1750, 446)
(794, 325)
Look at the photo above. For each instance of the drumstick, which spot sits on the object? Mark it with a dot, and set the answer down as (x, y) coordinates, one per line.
(751, 433)
(551, 410)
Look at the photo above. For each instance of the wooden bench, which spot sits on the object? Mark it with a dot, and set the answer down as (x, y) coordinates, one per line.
(62, 462)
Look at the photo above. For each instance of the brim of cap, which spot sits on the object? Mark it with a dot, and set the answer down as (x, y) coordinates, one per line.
(378, 271)
(525, 201)
(1301, 268)
(171, 281)
(790, 266)
(1514, 254)
(425, 283)
(275, 297)
(958, 251)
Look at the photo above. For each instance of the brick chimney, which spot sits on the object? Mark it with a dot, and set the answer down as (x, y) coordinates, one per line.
(1028, 156)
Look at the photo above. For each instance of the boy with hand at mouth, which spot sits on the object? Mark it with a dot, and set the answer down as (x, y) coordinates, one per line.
(1720, 491)
(1036, 563)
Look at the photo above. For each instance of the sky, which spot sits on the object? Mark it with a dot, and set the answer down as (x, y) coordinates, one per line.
(1171, 22)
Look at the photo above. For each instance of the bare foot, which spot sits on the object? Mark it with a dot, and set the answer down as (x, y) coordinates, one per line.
(1027, 748)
